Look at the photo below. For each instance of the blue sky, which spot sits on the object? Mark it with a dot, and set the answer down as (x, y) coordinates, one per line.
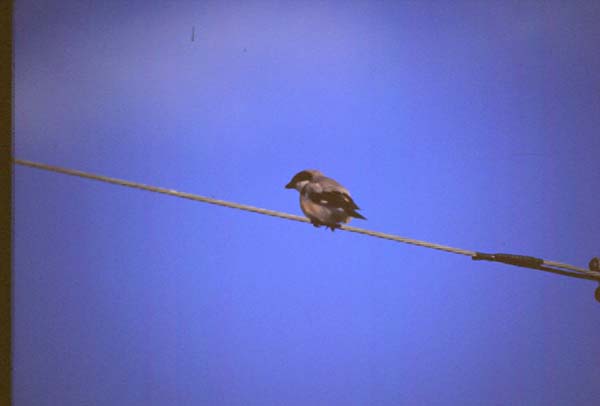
(471, 124)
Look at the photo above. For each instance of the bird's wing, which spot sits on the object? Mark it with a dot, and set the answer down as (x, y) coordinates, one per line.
(328, 192)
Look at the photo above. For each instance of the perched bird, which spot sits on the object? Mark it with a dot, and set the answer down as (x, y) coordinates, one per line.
(324, 201)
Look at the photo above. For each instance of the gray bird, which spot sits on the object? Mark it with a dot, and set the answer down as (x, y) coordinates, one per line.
(324, 201)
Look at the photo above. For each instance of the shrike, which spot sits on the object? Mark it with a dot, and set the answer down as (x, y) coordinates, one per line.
(324, 201)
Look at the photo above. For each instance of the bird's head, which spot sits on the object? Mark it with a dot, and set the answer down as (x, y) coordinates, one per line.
(302, 178)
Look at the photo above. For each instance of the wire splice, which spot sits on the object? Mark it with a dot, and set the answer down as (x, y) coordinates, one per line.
(511, 259)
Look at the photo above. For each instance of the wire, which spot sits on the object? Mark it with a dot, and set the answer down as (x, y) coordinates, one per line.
(517, 260)
(237, 206)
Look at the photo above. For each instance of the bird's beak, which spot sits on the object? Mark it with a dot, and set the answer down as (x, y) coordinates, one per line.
(289, 186)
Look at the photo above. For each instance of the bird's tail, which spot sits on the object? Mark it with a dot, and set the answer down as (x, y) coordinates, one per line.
(357, 215)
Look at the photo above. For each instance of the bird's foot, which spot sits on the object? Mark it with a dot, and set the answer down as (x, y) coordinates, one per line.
(332, 227)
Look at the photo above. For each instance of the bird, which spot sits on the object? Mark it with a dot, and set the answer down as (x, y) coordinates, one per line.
(323, 200)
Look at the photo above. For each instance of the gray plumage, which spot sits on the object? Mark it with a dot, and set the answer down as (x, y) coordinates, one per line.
(323, 200)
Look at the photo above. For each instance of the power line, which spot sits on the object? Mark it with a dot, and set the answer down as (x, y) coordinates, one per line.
(518, 260)
(232, 205)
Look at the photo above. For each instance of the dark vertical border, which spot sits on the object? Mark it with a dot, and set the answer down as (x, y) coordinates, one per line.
(6, 121)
